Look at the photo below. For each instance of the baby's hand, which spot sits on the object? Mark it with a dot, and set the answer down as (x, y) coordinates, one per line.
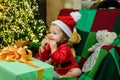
(53, 45)
(41, 50)
(49, 61)
(44, 43)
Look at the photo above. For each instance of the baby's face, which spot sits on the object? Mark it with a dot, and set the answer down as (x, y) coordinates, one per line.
(56, 34)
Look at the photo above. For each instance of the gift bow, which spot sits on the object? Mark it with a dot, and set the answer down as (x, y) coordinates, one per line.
(13, 53)
(21, 54)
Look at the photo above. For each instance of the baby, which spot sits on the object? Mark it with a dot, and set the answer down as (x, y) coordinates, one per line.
(54, 49)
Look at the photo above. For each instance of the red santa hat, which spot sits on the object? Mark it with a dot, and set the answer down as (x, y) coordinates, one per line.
(67, 23)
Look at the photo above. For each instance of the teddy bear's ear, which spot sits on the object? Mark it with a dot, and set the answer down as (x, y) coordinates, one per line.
(114, 34)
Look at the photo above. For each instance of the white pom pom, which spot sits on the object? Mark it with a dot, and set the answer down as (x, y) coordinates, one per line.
(76, 16)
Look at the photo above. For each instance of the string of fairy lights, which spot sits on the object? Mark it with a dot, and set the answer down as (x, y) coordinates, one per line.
(18, 22)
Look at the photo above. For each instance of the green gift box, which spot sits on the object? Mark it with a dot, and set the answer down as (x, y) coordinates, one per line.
(21, 71)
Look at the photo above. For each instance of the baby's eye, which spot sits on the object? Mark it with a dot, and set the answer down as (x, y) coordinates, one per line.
(55, 33)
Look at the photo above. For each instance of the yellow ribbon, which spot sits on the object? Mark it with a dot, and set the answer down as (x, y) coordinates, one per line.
(21, 54)
(40, 72)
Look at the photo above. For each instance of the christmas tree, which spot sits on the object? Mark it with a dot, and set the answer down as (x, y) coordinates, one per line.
(20, 20)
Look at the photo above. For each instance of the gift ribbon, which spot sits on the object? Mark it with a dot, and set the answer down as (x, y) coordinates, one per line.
(21, 54)
(40, 70)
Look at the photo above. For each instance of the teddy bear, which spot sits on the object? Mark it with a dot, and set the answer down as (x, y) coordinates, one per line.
(103, 37)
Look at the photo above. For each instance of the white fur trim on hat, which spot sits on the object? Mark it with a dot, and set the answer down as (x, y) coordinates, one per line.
(63, 26)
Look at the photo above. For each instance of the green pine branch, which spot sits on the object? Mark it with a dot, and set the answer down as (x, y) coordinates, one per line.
(19, 20)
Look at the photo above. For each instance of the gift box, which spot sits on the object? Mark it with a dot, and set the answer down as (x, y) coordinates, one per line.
(22, 71)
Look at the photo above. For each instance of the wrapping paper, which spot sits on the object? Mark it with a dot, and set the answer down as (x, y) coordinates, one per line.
(21, 71)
